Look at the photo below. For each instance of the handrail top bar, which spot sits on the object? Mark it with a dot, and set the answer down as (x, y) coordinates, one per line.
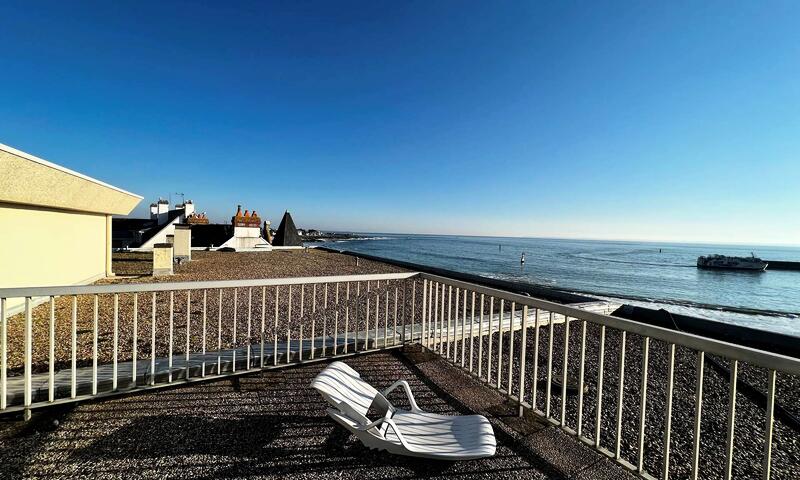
(21, 292)
(696, 342)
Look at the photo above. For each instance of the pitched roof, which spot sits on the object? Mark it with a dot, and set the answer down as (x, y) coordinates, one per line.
(286, 235)
(127, 229)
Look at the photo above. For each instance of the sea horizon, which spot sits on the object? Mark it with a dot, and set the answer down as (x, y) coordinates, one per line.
(654, 275)
(621, 240)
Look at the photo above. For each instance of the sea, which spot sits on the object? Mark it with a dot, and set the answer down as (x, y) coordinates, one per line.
(653, 275)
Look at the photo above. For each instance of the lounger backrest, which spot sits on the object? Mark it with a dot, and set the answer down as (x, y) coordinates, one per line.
(339, 383)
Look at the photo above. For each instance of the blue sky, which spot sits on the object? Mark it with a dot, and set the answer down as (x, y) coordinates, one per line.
(642, 120)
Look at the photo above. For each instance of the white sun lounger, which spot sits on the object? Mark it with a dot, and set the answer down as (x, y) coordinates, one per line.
(415, 433)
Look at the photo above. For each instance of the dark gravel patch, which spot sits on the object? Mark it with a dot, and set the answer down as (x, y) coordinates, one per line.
(266, 425)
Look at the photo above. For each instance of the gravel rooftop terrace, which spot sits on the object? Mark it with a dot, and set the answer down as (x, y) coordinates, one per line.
(271, 424)
(136, 267)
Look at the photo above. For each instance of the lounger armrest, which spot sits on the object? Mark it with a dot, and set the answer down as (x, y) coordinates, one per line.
(391, 423)
(407, 388)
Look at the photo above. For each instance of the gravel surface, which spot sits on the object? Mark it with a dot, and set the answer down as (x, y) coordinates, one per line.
(266, 425)
(204, 266)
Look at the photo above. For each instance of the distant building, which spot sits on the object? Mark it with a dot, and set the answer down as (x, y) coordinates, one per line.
(55, 222)
(286, 235)
(242, 234)
(144, 232)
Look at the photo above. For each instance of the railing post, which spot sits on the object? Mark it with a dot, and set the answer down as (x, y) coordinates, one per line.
(346, 315)
(511, 347)
(377, 315)
(480, 339)
(313, 319)
(74, 349)
(423, 339)
(489, 347)
(336, 323)
(668, 411)
(28, 351)
(171, 328)
(289, 329)
(3, 354)
(564, 373)
(579, 428)
(548, 387)
(248, 342)
(500, 345)
(463, 329)
(386, 317)
(522, 357)
(620, 394)
(135, 353)
(413, 309)
(203, 345)
(94, 348)
(300, 332)
(219, 334)
(441, 320)
(698, 414)
(235, 321)
(262, 338)
(731, 418)
(153, 343)
(51, 377)
(535, 386)
(643, 403)
(767, 462)
(115, 347)
(188, 330)
(450, 315)
(394, 324)
(600, 361)
(275, 329)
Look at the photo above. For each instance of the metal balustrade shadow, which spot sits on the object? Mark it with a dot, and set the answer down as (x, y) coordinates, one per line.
(266, 424)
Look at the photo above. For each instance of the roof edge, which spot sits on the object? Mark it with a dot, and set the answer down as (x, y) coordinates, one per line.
(54, 166)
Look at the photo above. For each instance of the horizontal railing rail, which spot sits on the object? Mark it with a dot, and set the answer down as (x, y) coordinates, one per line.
(709, 345)
(526, 347)
(86, 342)
(21, 292)
(611, 382)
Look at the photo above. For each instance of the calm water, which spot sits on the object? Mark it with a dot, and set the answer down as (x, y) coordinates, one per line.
(637, 272)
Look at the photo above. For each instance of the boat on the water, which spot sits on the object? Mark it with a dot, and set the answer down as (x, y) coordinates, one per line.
(751, 263)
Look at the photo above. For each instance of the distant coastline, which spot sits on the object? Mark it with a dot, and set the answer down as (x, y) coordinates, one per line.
(322, 237)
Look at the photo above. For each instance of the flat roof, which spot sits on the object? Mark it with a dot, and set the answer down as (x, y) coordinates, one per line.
(44, 162)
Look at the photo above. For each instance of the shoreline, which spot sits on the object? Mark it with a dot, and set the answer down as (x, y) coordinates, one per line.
(731, 314)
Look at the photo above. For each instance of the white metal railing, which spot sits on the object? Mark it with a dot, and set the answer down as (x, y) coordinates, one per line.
(152, 335)
(457, 316)
(91, 341)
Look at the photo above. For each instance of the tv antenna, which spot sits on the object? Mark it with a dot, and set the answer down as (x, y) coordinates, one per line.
(183, 201)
